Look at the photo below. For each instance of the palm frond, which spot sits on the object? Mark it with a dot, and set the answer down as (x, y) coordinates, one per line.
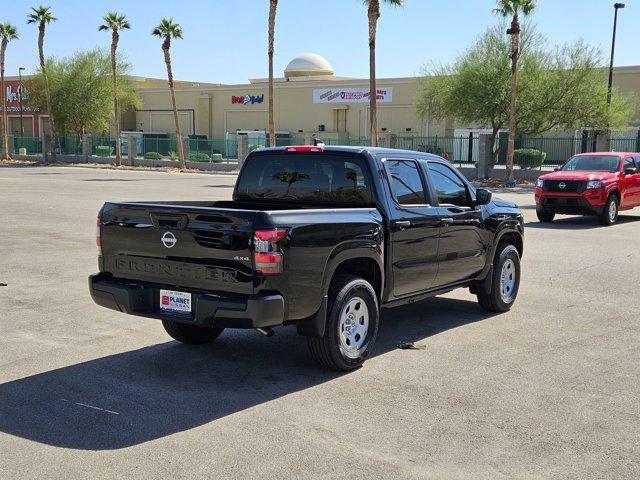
(114, 21)
(167, 28)
(41, 14)
(393, 3)
(8, 31)
(507, 8)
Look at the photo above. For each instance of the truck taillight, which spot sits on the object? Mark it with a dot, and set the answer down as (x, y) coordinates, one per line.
(98, 237)
(267, 257)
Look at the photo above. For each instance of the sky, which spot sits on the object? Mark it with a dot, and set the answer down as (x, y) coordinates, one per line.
(225, 40)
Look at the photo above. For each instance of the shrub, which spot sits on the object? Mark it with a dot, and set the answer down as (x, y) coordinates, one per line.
(528, 158)
(104, 150)
(152, 156)
(216, 158)
(199, 157)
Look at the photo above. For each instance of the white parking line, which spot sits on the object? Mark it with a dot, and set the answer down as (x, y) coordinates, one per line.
(91, 406)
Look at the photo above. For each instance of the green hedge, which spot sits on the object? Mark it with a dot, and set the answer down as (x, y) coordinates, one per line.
(528, 158)
(199, 157)
(104, 151)
(153, 156)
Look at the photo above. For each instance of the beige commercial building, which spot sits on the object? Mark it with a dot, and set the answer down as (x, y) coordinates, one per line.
(309, 99)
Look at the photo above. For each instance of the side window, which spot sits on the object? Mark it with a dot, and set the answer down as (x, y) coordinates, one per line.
(628, 163)
(406, 182)
(449, 188)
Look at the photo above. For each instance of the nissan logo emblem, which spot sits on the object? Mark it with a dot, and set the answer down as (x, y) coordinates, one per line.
(562, 185)
(169, 239)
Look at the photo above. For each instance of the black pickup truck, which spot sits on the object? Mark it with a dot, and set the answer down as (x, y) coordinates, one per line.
(316, 237)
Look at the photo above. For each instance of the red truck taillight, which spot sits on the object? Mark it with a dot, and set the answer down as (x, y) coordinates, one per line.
(267, 257)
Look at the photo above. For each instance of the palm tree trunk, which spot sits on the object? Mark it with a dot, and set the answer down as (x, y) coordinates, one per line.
(373, 14)
(167, 60)
(515, 53)
(273, 6)
(5, 127)
(54, 141)
(114, 47)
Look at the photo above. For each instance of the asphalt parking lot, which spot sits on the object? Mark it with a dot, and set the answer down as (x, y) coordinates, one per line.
(548, 390)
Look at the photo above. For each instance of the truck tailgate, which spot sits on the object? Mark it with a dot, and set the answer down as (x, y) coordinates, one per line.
(181, 246)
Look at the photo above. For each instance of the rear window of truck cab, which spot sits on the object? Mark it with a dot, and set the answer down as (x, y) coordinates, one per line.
(320, 178)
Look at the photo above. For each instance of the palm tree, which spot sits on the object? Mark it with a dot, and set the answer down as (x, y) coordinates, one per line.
(42, 16)
(8, 32)
(273, 7)
(115, 22)
(513, 8)
(374, 14)
(167, 30)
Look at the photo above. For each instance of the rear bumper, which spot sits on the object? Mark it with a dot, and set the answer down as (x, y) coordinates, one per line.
(143, 299)
(569, 205)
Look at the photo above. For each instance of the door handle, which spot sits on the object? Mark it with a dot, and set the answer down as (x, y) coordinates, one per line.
(447, 221)
(402, 224)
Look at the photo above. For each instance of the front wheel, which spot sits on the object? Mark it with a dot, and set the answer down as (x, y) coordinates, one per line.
(191, 334)
(545, 216)
(351, 327)
(610, 213)
(505, 281)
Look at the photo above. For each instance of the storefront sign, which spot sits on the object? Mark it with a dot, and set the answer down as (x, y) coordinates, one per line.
(13, 93)
(247, 99)
(350, 95)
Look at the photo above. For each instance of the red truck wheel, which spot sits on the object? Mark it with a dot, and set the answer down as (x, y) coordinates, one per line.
(545, 216)
(610, 213)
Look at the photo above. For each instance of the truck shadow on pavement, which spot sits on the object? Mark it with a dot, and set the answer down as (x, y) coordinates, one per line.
(133, 397)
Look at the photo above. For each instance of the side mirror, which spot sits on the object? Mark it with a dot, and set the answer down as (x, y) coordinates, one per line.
(630, 171)
(483, 196)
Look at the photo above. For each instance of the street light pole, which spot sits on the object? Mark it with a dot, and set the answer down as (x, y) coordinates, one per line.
(20, 100)
(616, 6)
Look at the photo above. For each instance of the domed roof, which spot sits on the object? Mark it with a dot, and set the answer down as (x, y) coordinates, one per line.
(308, 64)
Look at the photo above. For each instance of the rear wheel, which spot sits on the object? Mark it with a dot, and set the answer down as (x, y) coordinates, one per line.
(545, 216)
(610, 213)
(191, 334)
(505, 281)
(351, 327)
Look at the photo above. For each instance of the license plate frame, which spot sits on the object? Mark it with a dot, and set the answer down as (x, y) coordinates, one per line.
(175, 302)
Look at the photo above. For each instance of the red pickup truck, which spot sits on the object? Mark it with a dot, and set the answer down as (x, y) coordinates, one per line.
(596, 183)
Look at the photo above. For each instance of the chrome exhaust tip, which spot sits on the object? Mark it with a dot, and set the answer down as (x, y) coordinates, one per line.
(267, 332)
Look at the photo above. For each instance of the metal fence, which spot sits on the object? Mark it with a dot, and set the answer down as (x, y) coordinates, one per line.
(558, 149)
(461, 150)
(32, 145)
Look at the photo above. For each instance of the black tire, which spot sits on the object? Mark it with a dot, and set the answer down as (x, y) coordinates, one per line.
(606, 218)
(492, 299)
(191, 334)
(328, 350)
(545, 216)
